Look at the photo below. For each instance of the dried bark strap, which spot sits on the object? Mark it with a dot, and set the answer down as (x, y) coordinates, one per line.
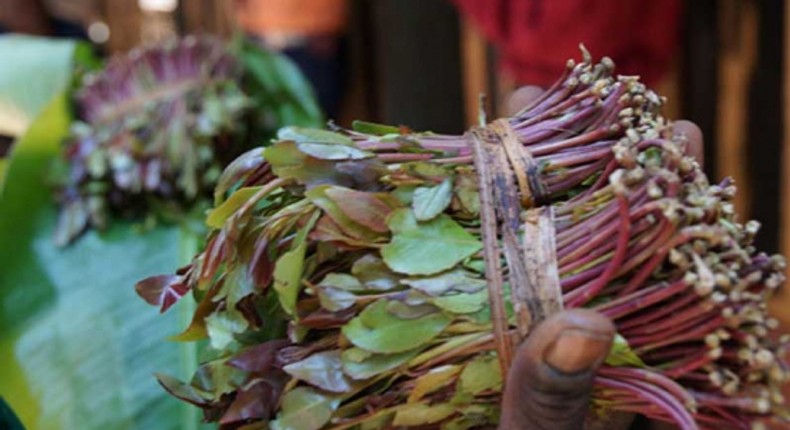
(526, 169)
(543, 292)
(483, 159)
(504, 167)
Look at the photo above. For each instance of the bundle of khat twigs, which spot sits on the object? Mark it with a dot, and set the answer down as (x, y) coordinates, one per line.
(154, 127)
(381, 278)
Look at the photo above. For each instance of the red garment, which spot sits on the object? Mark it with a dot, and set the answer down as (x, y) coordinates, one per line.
(536, 37)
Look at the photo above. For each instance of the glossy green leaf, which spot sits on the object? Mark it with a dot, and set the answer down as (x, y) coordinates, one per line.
(481, 374)
(429, 247)
(78, 348)
(368, 209)
(622, 354)
(374, 128)
(433, 380)
(463, 303)
(377, 330)
(323, 370)
(361, 364)
(455, 280)
(313, 135)
(335, 299)
(304, 409)
(222, 326)
(288, 277)
(329, 151)
(183, 391)
(319, 195)
(289, 162)
(217, 217)
(419, 414)
(428, 202)
(410, 310)
(371, 271)
(473, 416)
(289, 268)
(342, 281)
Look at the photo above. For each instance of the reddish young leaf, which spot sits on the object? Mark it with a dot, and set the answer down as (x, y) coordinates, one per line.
(163, 290)
(368, 209)
(257, 401)
(259, 358)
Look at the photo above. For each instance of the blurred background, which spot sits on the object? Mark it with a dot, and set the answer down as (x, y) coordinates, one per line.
(722, 64)
(423, 63)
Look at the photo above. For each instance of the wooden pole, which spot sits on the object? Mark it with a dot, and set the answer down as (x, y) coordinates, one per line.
(737, 58)
(475, 70)
(780, 306)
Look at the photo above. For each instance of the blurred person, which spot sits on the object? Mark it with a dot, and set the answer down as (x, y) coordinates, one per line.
(310, 32)
(534, 38)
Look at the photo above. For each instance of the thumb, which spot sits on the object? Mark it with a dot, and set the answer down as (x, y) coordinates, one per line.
(549, 383)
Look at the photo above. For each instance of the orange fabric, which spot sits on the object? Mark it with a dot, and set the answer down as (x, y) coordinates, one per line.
(299, 17)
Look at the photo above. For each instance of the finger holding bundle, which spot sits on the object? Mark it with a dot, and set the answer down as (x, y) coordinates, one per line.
(381, 277)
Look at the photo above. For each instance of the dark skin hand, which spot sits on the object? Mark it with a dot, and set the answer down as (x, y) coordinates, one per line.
(549, 384)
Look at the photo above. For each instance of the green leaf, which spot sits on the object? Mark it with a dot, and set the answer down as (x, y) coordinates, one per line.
(289, 162)
(368, 209)
(183, 391)
(222, 326)
(217, 217)
(462, 303)
(361, 364)
(419, 414)
(342, 281)
(377, 330)
(289, 269)
(457, 280)
(37, 70)
(410, 311)
(481, 374)
(313, 135)
(3, 165)
(238, 169)
(304, 409)
(474, 416)
(374, 128)
(335, 299)
(433, 380)
(371, 271)
(319, 195)
(323, 370)
(622, 354)
(78, 348)
(331, 151)
(288, 277)
(426, 248)
(218, 378)
(8, 420)
(428, 202)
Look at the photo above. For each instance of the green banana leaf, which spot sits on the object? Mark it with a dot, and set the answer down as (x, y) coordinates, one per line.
(34, 70)
(78, 348)
(3, 164)
(8, 420)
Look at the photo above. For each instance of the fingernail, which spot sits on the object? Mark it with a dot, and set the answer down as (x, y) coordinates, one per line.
(576, 350)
